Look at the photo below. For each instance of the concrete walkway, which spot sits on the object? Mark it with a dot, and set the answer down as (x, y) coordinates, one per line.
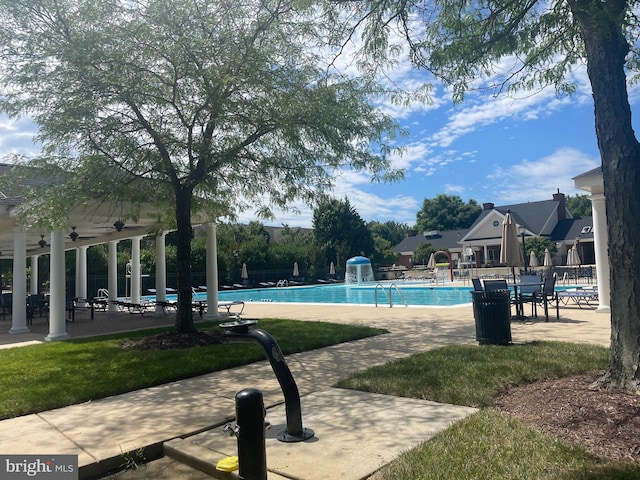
(356, 433)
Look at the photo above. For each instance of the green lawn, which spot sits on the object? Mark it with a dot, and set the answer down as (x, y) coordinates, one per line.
(45, 376)
(490, 445)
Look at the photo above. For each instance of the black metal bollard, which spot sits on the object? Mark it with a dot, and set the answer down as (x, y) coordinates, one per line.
(239, 332)
(252, 455)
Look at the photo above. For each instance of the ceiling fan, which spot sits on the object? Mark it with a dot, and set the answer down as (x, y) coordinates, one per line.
(119, 226)
(42, 243)
(75, 235)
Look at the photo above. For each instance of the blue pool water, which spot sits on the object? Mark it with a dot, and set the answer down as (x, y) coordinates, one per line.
(354, 294)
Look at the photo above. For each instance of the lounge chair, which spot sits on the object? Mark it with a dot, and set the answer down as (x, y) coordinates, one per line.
(231, 303)
(167, 307)
(134, 308)
(580, 296)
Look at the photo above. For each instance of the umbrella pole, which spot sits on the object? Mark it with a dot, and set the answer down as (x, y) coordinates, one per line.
(519, 314)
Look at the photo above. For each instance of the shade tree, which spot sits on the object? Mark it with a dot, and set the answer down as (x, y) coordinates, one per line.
(199, 107)
(503, 47)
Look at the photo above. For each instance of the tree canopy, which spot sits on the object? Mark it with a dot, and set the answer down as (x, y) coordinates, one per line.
(447, 212)
(579, 205)
(391, 231)
(338, 227)
(199, 106)
(423, 252)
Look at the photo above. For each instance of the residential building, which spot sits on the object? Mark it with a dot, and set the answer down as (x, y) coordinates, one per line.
(548, 219)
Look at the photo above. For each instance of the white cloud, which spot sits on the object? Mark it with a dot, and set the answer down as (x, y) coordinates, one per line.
(533, 180)
(414, 153)
(453, 189)
(16, 137)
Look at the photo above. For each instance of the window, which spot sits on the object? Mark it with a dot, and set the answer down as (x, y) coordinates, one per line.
(493, 254)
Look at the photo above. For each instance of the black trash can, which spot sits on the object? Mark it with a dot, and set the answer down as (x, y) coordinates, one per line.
(492, 313)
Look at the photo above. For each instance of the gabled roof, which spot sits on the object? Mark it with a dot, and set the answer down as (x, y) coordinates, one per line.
(537, 217)
(445, 240)
(571, 228)
(94, 222)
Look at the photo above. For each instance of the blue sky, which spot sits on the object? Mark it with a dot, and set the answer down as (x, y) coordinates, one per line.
(502, 150)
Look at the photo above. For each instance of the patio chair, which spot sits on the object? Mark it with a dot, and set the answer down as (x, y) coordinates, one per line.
(530, 285)
(501, 284)
(547, 295)
(477, 285)
(6, 304)
(491, 285)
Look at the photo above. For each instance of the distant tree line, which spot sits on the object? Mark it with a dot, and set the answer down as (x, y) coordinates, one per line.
(338, 234)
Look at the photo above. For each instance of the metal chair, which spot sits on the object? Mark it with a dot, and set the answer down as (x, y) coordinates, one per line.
(548, 294)
(530, 286)
(491, 285)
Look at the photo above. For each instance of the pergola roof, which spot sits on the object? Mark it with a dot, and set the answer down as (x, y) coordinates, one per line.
(94, 224)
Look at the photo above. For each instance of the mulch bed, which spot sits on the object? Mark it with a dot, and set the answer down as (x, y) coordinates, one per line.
(171, 341)
(606, 422)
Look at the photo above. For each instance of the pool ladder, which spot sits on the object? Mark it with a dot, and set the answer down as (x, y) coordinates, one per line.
(389, 295)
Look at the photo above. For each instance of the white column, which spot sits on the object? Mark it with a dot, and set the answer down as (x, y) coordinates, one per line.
(57, 319)
(161, 273)
(112, 273)
(19, 298)
(212, 273)
(136, 274)
(33, 286)
(81, 275)
(601, 247)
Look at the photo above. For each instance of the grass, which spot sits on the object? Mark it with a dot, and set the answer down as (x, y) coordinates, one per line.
(473, 376)
(46, 376)
(488, 444)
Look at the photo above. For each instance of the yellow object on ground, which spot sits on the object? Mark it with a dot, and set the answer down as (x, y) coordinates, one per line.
(228, 464)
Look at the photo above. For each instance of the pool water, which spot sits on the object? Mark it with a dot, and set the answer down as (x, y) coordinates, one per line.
(354, 294)
(343, 294)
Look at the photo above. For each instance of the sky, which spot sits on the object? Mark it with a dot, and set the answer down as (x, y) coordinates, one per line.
(504, 150)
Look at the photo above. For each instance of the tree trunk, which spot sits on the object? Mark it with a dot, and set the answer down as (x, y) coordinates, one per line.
(600, 25)
(184, 315)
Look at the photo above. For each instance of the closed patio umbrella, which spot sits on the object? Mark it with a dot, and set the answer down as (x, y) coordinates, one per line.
(533, 260)
(332, 269)
(570, 257)
(547, 258)
(510, 252)
(245, 274)
(576, 256)
(296, 272)
(432, 262)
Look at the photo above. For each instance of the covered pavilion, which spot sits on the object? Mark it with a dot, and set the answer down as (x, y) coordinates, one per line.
(89, 224)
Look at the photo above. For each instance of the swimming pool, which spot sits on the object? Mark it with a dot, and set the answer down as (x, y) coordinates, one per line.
(354, 294)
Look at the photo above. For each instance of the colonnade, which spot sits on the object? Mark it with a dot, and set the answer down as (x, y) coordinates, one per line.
(57, 286)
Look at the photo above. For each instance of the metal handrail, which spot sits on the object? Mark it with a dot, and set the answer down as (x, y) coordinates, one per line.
(393, 285)
(389, 295)
(375, 294)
